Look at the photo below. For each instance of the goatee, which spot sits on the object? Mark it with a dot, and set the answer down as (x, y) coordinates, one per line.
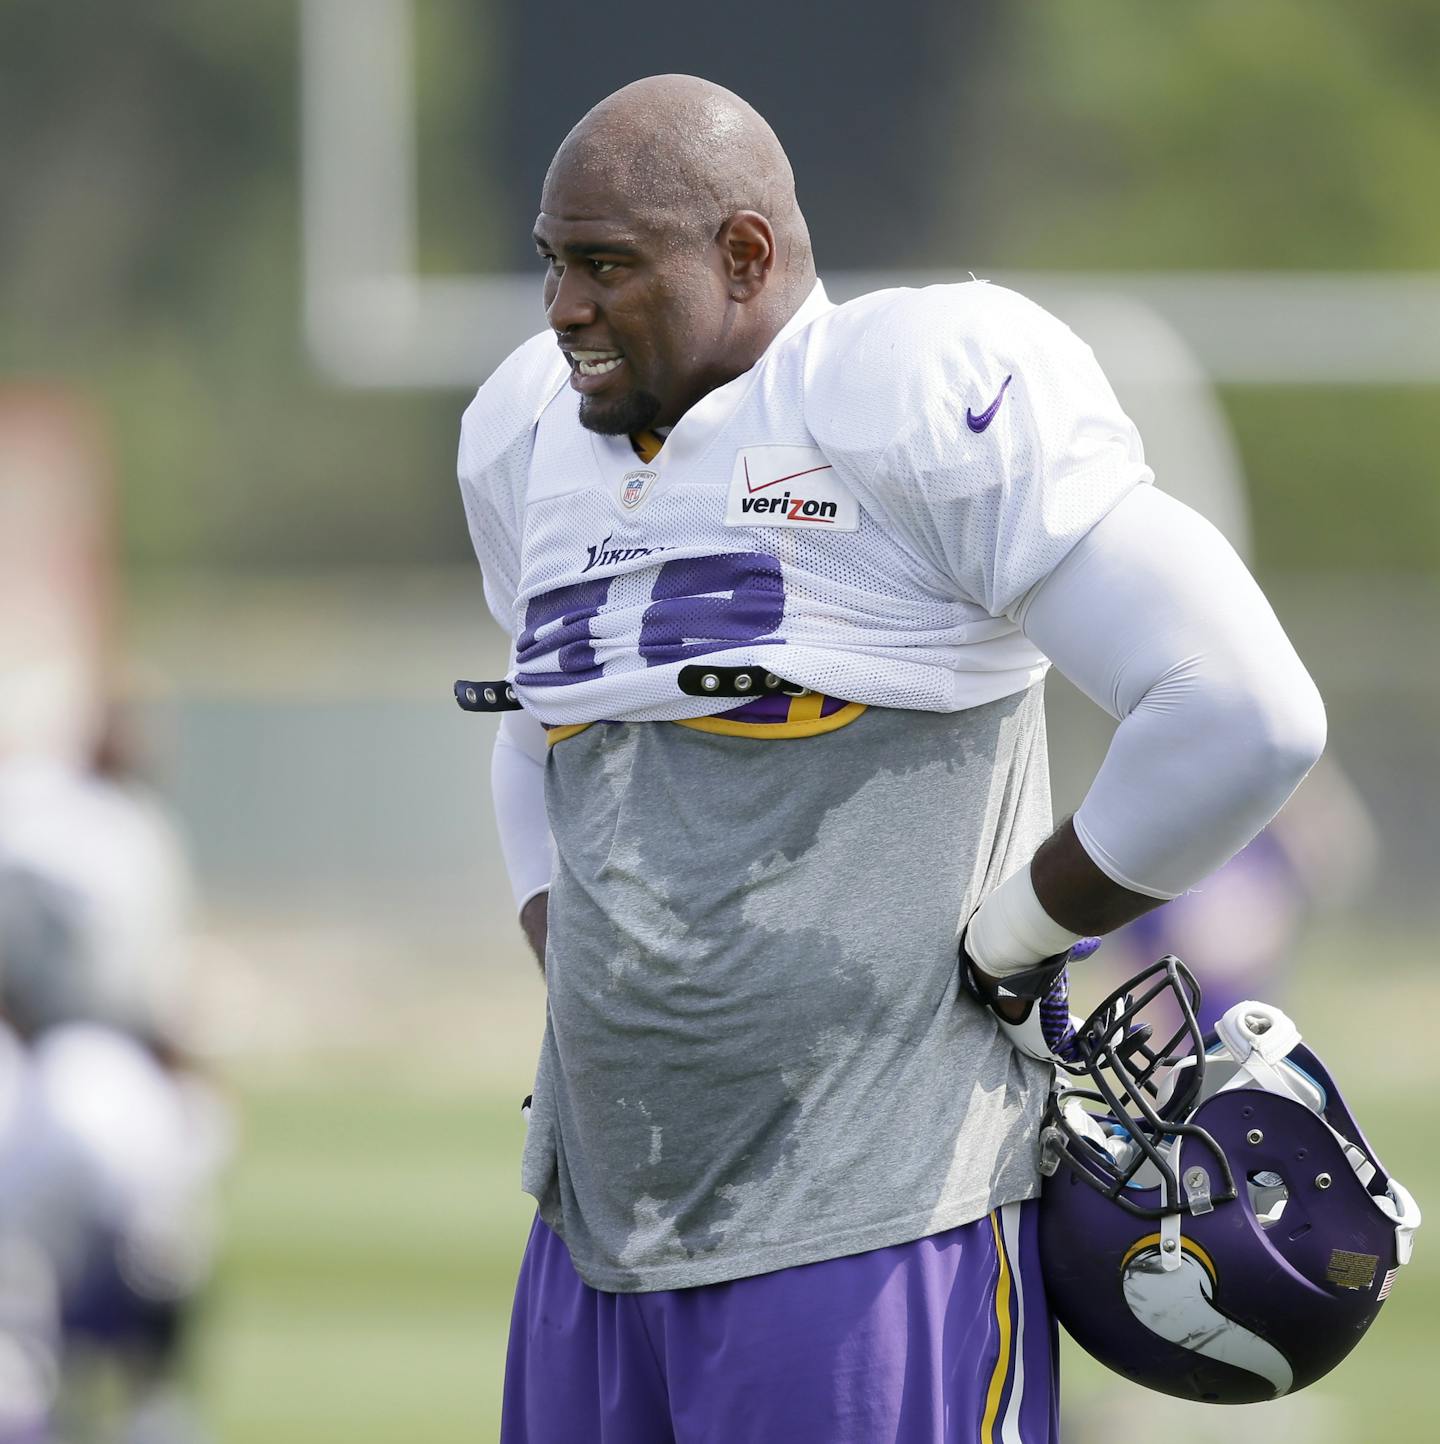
(635, 411)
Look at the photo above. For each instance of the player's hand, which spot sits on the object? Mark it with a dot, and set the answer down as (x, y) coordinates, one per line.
(1033, 1007)
(988, 989)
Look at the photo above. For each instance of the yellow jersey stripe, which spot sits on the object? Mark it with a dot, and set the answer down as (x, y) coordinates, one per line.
(812, 725)
(806, 708)
(1003, 1358)
(647, 445)
(795, 727)
(559, 734)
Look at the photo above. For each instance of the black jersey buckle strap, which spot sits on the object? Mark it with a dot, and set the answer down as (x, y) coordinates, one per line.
(486, 696)
(694, 681)
(700, 681)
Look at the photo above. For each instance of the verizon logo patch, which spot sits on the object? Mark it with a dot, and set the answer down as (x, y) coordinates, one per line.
(790, 486)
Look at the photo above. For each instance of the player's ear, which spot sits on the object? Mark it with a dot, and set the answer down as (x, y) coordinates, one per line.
(747, 250)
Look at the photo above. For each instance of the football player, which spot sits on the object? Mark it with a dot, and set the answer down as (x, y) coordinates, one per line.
(782, 580)
(93, 883)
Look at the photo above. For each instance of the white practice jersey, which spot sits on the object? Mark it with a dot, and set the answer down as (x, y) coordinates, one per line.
(858, 513)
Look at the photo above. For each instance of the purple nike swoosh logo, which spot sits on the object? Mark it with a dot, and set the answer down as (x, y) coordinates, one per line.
(979, 423)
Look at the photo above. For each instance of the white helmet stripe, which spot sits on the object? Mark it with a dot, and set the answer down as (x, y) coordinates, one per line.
(1176, 1305)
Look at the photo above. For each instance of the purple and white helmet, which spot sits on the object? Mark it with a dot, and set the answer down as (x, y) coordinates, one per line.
(1214, 1224)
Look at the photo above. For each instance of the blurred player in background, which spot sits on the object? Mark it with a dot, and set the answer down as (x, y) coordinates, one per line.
(94, 894)
(783, 1139)
(110, 1143)
(1240, 928)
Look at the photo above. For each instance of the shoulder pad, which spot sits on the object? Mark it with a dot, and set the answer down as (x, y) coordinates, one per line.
(884, 358)
(509, 404)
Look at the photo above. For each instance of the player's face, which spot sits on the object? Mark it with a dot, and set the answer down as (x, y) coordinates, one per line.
(640, 308)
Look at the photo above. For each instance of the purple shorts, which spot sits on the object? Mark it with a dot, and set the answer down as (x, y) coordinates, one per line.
(944, 1339)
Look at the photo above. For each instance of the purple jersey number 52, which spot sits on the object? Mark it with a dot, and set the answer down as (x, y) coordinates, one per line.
(697, 605)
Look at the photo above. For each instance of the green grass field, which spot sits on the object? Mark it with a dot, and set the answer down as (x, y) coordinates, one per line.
(374, 1225)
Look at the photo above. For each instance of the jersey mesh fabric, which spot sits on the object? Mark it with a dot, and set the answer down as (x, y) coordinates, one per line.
(954, 523)
(496, 442)
(992, 505)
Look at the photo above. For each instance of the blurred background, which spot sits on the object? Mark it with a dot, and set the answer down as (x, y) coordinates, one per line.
(253, 261)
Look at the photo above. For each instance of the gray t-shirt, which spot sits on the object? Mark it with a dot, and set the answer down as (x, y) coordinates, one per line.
(756, 1055)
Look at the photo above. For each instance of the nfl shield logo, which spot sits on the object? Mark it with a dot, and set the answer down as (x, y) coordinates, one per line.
(633, 487)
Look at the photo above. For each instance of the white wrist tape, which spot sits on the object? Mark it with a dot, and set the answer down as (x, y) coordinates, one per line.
(1010, 931)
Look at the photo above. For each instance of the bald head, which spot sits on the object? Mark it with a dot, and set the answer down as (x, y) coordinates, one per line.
(687, 154)
(675, 247)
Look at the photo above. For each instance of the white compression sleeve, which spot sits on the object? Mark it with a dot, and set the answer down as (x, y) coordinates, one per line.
(517, 787)
(1154, 617)
(1010, 931)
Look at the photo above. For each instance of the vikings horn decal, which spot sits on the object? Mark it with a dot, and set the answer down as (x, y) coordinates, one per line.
(1177, 1305)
